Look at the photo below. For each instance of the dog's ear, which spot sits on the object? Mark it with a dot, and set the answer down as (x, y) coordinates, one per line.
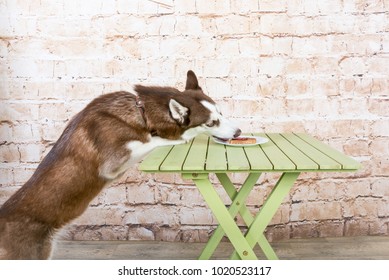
(178, 112)
(191, 81)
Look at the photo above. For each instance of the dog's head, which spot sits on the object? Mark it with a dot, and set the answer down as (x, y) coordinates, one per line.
(198, 113)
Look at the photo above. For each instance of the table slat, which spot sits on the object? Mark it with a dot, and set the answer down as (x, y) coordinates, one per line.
(324, 161)
(195, 160)
(236, 158)
(258, 159)
(216, 158)
(300, 160)
(153, 161)
(346, 162)
(175, 159)
(279, 160)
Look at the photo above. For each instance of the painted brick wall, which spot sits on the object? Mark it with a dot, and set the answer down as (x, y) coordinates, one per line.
(320, 67)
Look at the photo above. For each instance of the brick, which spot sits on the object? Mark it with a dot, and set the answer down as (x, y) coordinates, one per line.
(141, 194)
(344, 23)
(271, 6)
(298, 66)
(195, 235)
(272, 66)
(6, 192)
(217, 68)
(196, 216)
(380, 128)
(330, 190)
(113, 195)
(353, 66)
(356, 148)
(383, 208)
(243, 7)
(277, 233)
(358, 188)
(379, 227)
(296, 86)
(5, 132)
(46, 112)
(316, 211)
(140, 233)
(233, 24)
(227, 47)
(101, 216)
(23, 173)
(185, 7)
(58, 26)
(151, 214)
(31, 152)
(275, 24)
(218, 88)
(18, 26)
(183, 25)
(303, 193)
(170, 195)
(81, 232)
(377, 65)
(377, 107)
(373, 24)
(305, 230)
(77, 68)
(379, 187)
(361, 207)
(309, 47)
(25, 68)
(301, 107)
(192, 197)
(281, 216)
(212, 7)
(380, 166)
(331, 228)
(125, 7)
(9, 153)
(356, 228)
(73, 48)
(168, 234)
(328, 87)
(258, 195)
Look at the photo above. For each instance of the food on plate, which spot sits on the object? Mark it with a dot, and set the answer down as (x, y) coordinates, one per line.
(242, 140)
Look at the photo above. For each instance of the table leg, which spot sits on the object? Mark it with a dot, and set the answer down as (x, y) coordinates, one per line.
(244, 212)
(238, 199)
(226, 221)
(269, 208)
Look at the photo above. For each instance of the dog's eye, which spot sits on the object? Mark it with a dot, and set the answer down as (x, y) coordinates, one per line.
(213, 123)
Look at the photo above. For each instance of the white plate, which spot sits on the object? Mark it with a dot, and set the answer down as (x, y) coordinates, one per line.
(260, 140)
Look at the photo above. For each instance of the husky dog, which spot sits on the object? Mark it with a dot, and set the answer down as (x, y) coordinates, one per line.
(98, 145)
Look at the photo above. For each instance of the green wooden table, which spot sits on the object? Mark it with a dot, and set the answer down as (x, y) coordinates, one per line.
(288, 153)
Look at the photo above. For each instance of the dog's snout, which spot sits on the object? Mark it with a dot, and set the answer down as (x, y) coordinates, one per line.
(237, 133)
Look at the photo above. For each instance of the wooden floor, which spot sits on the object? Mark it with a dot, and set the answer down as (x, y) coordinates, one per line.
(353, 248)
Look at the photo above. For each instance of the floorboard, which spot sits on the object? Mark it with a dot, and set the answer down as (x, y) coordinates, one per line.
(345, 248)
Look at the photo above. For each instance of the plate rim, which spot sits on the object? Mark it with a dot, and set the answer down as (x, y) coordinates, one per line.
(242, 145)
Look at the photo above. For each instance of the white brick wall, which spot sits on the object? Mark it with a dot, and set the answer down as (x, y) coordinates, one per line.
(315, 66)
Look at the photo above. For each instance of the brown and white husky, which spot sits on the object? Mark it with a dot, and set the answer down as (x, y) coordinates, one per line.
(112, 133)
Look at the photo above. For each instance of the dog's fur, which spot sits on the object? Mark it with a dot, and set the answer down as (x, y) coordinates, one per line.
(97, 146)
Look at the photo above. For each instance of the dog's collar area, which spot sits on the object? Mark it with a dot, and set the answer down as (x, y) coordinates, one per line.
(139, 104)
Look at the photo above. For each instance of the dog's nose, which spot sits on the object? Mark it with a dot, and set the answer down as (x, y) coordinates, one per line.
(237, 133)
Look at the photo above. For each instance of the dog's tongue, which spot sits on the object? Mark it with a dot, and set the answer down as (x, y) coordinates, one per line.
(221, 139)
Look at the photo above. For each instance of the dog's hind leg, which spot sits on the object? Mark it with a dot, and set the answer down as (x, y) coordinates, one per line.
(26, 241)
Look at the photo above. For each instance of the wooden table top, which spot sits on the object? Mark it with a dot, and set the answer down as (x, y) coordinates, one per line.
(286, 152)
